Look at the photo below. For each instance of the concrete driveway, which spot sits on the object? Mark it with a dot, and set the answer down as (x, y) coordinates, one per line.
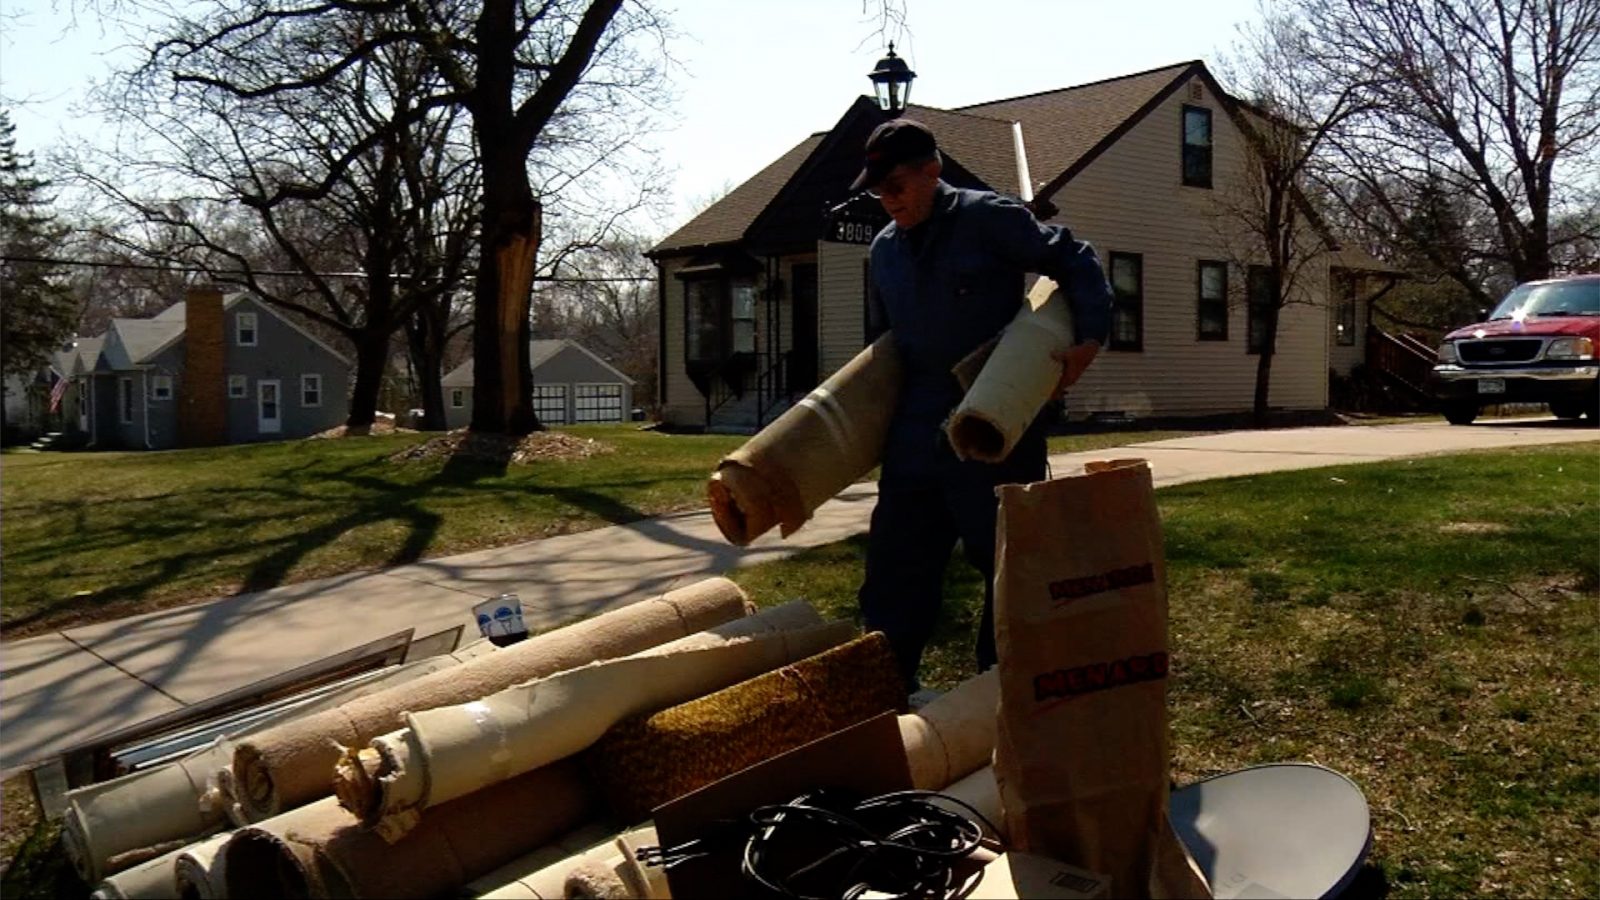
(59, 689)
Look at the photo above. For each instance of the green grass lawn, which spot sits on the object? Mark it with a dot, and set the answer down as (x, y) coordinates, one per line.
(1429, 627)
(93, 536)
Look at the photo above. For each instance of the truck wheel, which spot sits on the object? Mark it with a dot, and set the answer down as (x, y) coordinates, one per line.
(1460, 413)
(1568, 408)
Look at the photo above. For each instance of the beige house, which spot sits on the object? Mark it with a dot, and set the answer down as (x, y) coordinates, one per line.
(763, 293)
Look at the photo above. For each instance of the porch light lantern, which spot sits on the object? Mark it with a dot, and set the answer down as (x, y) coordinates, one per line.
(891, 81)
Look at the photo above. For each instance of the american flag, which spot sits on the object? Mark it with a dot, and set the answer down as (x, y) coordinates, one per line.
(57, 392)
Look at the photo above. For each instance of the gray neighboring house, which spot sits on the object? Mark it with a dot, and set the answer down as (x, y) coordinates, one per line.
(203, 372)
(571, 385)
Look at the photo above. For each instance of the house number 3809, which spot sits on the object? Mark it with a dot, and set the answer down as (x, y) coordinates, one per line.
(854, 232)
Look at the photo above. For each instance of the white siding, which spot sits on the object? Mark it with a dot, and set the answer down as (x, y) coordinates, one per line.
(1131, 200)
(685, 406)
(841, 303)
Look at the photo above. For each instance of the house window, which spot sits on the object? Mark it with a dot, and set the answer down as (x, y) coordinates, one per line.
(458, 398)
(310, 390)
(1127, 301)
(1196, 146)
(125, 400)
(1344, 313)
(1211, 312)
(161, 387)
(244, 329)
(550, 403)
(238, 387)
(719, 318)
(1262, 308)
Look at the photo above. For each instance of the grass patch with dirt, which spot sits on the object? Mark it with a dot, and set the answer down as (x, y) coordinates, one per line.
(1429, 627)
(95, 536)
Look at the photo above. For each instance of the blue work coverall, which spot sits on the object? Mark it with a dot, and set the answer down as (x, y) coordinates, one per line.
(944, 288)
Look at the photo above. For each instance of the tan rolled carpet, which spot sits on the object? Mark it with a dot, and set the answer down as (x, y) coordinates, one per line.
(453, 751)
(199, 869)
(954, 734)
(979, 791)
(602, 869)
(817, 448)
(512, 880)
(644, 762)
(320, 851)
(153, 879)
(1016, 380)
(286, 766)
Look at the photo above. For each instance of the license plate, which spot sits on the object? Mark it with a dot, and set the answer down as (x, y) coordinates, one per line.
(1492, 386)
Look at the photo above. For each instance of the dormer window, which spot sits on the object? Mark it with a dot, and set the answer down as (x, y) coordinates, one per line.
(1196, 146)
(244, 329)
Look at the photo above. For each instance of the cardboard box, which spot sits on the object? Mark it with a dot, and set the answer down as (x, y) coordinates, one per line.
(1017, 875)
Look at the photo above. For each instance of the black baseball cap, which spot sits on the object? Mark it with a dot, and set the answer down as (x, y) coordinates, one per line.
(892, 143)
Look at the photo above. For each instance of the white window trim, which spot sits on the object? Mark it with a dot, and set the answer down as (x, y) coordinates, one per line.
(239, 329)
(125, 400)
(622, 412)
(161, 387)
(566, 393)
(261, 420)
(242, 383)
(458, 398)
(306, 379)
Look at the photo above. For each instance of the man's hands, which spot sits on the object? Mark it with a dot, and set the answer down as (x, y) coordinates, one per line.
(1073, 361)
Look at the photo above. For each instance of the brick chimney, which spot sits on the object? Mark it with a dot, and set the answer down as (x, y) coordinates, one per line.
(202, 391)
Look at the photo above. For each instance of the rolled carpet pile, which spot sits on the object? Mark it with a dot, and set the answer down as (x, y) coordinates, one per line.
(1019, 376)
(320, 851)
(283, 767)
(452, 751)
(153, 879)
(608, 868)
(647, 761)
(198, 869)
(817, 448)
(980, 791)
(511, 881)
(954, 734)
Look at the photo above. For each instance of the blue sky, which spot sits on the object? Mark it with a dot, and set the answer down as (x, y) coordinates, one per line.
(753, 76)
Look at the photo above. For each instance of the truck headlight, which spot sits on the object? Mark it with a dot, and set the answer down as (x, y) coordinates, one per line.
(1447, 352)
(1570, 348)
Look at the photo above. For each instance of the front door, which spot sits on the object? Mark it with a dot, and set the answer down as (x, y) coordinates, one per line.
(83, 405)
(803, 353)
(269, 409)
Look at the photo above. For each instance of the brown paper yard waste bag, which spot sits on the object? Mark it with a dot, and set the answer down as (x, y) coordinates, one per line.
(1016, 380)
(644, 762)
(451, 751)
(1081, 626)
(319, 850)
(817, 448)
(283, 767)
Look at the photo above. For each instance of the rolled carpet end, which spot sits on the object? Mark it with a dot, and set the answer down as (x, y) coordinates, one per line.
(356, 783)
(978, 437)
(741, 504)
(594, 880)
(199, 870)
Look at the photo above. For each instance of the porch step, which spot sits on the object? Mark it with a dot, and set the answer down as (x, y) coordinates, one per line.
(57, 440)
(739, 416)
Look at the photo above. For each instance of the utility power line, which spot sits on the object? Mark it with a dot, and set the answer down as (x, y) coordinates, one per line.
(195, 270)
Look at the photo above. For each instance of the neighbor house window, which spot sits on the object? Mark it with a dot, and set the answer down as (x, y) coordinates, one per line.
(238, 387)
(310, 390)
(161, 387)
(1196, 146)
(1127, 301)
(458, 398)
(125, 400)
(1262, 306)
(1211, 312)
(244, 329)
(1344, 313)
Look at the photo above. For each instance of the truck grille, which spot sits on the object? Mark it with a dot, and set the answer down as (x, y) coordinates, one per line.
(1508, 350)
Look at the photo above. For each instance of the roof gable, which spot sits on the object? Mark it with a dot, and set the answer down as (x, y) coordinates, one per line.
(725, 221)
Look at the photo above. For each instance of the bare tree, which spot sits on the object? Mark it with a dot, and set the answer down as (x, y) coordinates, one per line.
(1494, 102)
(610, 305)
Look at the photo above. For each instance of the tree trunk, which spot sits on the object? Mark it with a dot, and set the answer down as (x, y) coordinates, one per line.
(372, 354)
(502, 373)
(425, 330)
(1269, 348)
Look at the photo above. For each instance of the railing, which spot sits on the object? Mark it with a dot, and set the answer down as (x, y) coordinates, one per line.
(1402, 358)
(772, 386)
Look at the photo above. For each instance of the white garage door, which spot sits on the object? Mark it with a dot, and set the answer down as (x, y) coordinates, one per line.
(597, 402)
(550, 403)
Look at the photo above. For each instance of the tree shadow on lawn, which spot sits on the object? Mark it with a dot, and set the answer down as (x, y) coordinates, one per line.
(366, 500)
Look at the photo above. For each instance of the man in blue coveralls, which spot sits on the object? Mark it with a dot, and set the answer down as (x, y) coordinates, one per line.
(947, 276)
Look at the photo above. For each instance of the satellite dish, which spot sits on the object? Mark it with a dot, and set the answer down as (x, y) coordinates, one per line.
(1282, 830)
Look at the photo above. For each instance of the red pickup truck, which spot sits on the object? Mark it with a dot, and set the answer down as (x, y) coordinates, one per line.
(1538, 346)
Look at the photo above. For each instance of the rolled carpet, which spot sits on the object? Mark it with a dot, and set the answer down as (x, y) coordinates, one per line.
(644, 762)
(817, 448)
(608, 867)
(283, 767)
(452, 751)
(1016, 380)
(152, 879)
(199, 869)
(511, 881)
(954, 734)
(320, 851)
(979, 791)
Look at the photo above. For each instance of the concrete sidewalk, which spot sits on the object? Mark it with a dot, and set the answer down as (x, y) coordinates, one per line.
(58, 689)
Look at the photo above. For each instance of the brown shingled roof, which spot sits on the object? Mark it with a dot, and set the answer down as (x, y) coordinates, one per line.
(981, 143)
(1060, 127)
(725, 221)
